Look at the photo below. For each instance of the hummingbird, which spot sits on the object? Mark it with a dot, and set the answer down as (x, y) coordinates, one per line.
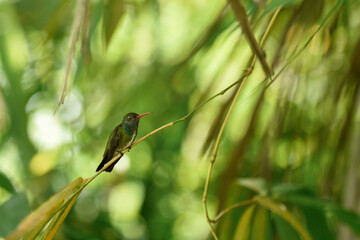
(120, 138)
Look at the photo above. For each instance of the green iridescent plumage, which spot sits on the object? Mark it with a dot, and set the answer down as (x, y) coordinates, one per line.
(120, 138)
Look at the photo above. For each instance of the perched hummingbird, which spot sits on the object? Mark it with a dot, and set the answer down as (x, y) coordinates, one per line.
(120, 138)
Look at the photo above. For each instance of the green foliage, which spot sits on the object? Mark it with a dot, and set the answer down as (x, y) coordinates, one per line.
(55, 208)
(285, 153)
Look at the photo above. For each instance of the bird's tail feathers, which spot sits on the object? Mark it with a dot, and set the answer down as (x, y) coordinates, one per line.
(102, 164)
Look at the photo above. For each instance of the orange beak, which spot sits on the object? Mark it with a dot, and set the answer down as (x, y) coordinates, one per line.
(140, 115)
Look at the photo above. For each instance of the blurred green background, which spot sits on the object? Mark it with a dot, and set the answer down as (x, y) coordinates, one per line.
(298, 143)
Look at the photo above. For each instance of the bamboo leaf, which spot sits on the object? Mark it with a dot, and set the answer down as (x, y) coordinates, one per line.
(114, 10)
(59, 218)
(281, 210)
(350, 218)
(261, 224)
(243, 228)
(314, 212)
(57, 18)
(35, 221)
(242, 18)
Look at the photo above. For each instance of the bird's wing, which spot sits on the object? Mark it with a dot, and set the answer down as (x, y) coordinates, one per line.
(113, 142)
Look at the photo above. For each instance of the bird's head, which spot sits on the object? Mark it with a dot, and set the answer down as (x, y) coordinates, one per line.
(132, 119)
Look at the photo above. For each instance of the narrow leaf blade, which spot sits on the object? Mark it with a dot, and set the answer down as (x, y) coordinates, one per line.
(243, 228)
(113, 13)
(281, 210)
(261, 226)
(35, 221)
(59, 218)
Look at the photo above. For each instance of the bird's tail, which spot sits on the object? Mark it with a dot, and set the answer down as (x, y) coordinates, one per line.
(102, 164)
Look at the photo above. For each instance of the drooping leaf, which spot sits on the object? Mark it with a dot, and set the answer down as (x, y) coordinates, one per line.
(261, 224)
(35, 221)
(281, 210)
(57, 18)
(243, 227)
(114, 10)
(350, 218)
(314, 213)
(59, 218)
(242, 17)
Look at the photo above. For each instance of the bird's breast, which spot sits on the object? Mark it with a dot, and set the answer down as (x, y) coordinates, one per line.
(126, 141)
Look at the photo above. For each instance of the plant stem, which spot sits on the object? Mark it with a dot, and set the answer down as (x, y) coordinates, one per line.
(217, 142)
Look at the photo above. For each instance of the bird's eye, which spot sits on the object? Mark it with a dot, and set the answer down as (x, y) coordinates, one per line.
(129, 117)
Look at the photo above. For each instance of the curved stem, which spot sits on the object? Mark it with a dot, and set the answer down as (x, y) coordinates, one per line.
(226, 210)
(217, 142)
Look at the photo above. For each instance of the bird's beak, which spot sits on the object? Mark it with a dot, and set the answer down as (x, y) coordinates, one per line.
(140, 115)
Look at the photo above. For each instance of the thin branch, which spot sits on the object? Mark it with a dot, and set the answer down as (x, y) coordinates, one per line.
(88, 180)
(226, 210)
(242, 18)
(217, 142)
(297, 53)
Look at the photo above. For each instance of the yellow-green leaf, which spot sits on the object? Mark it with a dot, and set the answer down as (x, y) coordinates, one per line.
(59, 218)
(260, 224)
(114, 10)
(282, 211)
(35, 221)
(243, 228)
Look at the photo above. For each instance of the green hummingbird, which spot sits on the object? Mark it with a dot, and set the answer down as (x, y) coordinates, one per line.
(120, 138)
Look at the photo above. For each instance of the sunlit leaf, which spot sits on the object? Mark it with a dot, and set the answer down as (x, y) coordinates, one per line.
(57, 18)
(282, 211)
(261, 224)
(34, 222)
(114, 10)
(243, 227)
(59, 218)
